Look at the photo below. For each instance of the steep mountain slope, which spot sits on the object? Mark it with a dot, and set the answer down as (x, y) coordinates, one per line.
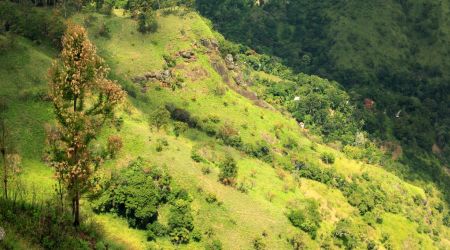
(392, 52)
(270, 183)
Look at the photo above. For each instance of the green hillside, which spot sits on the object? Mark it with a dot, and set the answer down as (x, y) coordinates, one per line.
(283, 170)
(394, 53)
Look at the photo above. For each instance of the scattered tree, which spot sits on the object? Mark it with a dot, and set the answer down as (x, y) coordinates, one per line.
(228, 171)
(10, 159)
(160, 118)
(83, 99)
(3, 147)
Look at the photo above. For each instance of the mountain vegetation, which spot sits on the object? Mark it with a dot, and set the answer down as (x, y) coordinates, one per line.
(137, 124)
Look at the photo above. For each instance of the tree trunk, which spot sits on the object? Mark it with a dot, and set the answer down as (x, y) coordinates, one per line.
(76, 221)
(5, 168)
(5, 175)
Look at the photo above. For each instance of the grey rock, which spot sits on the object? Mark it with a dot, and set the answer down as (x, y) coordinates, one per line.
(139, 79)
(187, 54)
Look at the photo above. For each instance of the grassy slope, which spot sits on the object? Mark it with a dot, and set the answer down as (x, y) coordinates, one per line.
(242, 217)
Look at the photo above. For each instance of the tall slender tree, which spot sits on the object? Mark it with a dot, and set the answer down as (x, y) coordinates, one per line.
(83, 99)
(3, 147)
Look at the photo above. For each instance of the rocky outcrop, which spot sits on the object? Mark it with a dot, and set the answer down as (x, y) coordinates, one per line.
(164, 76)
(209, 43)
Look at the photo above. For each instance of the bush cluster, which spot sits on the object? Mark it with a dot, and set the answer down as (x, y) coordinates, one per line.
(33, 23)
(361, 193)
(306, 217)
(135, 193)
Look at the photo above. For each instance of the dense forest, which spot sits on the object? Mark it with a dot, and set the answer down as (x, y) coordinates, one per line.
(234, 124)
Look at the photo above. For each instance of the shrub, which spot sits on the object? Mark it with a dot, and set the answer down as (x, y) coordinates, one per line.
(211, 198)
(307, 217)
(179, 128)
(228, 171)
(327, 157)
(159, 118)
(104, 31)
(260, 150)
(290, 143)
(195, 156)
(446, 220)
(147, 22)
(298, 242)
(349, 234)
(182, 115)
(258, 244)
(206, 170)
(196, 235)
(230, 135)
(170, 61)
(180, 222)
(220, 90)
(160, 144)
(135, 194)
(157, 229)
(115, 144)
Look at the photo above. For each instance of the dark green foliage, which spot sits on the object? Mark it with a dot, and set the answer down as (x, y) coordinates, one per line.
(159, 118)
(260, 150)
(352, 43)
(349, 234)
(321, 105)
(155, 230)
(366, 197)
(180, 222)
(446, 220)
(147, 22)
(306, 217)
(196, 156)
(228, 171)
(327, 176)
(34, 23)
(363, 194)
(196, 235)
(181, 115)
(327, 157)
(135, 193)
(258, 244)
